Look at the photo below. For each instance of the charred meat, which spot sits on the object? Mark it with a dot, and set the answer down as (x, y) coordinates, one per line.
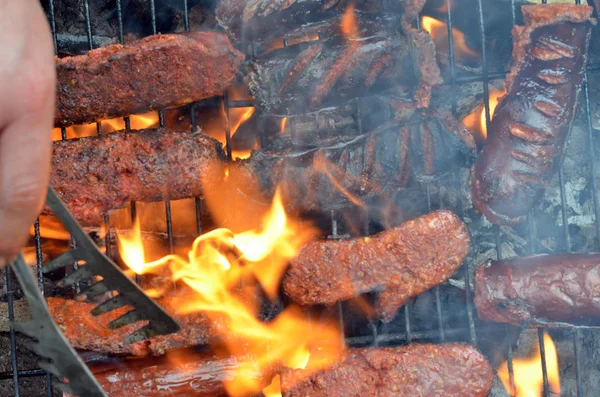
(156, 72)
(96, 174)
(312, 75)
(416, 370)
(262, 19)
(343, 172)
(87, 332)
(531, 123)
(540, 291)
(403, 262)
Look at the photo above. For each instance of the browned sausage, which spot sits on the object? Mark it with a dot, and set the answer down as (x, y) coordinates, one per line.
(531, 123)
(403, 262)
(540, 291)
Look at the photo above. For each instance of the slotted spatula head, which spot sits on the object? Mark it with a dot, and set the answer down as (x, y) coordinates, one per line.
(58, 357)
(95, 263)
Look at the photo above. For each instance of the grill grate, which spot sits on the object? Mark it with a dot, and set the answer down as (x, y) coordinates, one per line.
(377, 335)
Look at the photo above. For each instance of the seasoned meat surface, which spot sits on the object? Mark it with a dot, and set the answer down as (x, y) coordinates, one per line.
(96, 174)
(87, 332)
(402, 262)
(317, 74)
(416, 370)
(527, 136)
(540, 291)
(156, 72)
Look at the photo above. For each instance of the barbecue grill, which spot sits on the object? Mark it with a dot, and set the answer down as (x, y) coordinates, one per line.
(455, 319)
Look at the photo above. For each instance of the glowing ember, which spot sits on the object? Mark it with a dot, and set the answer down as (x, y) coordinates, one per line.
(137, 122)
(216, 266)
(349, 24)
(475, 121)
(528, 375)
(283, 123)
(439, 32)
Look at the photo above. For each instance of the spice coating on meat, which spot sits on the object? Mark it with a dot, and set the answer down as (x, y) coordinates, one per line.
(156, 72)
(540, 291)
(531, 123)
(96, 174)
(416, 370)
(264, 19)
(403, 261)
(309, 76)
(87, 332)
(341, 172)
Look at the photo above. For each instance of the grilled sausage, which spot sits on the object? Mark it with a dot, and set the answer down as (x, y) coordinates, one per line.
(540, 291)
(531, 123)
(403, 261)
(416, 370)
(156, 72)
(96, 174)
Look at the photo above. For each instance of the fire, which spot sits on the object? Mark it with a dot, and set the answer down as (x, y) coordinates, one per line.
(283, 123)
(439, 32)
(528, 375)
(137, 122)
(226, 272)
(475, 121)
(238, 116)
(349, 24)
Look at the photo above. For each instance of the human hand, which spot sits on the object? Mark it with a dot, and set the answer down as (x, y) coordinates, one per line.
(27, 95)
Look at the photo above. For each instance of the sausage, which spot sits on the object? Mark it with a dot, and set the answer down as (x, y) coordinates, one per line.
(403, 262)
(157, 72)
(540, 291)
(416, 370)
(96, 174)
(531, 123)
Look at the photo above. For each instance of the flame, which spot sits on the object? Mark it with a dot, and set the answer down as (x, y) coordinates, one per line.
(439, 32)
(238, 116)
(137, 122)
(475, 121)
(224, 270)
(349, 24)
(131, 248)
(528, 375)
(283, 123)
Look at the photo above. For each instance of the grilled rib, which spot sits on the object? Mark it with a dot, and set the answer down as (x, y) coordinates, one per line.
(96, 174)
(416, 370)
(404, 261)
(156, 72)
(527, 136)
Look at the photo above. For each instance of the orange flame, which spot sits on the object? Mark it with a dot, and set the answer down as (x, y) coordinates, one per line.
(283, 123)
(528, 375)
(439, 32)
(349, 24)
(475, 121)
(215, 267)
(137, 122)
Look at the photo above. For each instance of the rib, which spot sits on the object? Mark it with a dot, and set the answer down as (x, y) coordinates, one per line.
(264, 19)
(540, 291)
(96, 174)
(347, 171)
(403, 262)
(534, 119)
(416, 370)
(156, 72)
(87, 332)
(308, 76)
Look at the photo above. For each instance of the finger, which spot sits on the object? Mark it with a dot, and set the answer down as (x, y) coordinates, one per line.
(25, 151)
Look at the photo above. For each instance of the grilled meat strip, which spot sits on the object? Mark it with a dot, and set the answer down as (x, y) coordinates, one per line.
(540, 291)
(448, 370)
(259, 20)
(531, 123)
(403, 262)
(87, 332)
(96, 174)
(312, 75)
(156, 72)
(342, 172)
